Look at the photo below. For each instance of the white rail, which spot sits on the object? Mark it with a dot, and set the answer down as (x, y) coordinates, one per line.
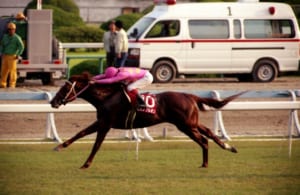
(242, 105)
(45, 108)
(82, 45)
(293, 105)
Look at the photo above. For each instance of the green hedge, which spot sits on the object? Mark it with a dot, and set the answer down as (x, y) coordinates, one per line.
(127, 19)
(66, 5)
(63, 16)
(90, 66)
(79, 34)
(69, 19)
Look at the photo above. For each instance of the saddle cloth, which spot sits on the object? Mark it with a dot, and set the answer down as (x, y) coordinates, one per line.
(151, 104)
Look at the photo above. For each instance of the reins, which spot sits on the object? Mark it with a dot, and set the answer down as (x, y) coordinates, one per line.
(73, 92)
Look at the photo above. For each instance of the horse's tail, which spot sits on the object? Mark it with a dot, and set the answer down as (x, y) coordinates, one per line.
(212, 102)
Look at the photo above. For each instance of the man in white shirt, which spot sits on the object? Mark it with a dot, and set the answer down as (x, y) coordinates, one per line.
(121, 46)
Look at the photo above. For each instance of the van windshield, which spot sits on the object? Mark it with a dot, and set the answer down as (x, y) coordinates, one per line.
(139, 27)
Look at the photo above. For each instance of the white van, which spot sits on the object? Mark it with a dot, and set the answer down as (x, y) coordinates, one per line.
(253, 41)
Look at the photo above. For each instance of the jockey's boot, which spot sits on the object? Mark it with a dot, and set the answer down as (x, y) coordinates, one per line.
(140, 101)
(136, 99)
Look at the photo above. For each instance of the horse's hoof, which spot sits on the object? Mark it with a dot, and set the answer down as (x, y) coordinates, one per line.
(85, 166)
(57, 148)
(234, 150)
(204, 166)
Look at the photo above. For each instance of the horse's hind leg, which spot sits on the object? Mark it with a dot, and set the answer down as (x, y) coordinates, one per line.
(194, 134)
(204, 141)
(90, 129)
(209, 134)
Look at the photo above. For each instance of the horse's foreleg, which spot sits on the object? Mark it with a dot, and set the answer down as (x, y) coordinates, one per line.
(208, 133)
(99, 139)
(90, 129)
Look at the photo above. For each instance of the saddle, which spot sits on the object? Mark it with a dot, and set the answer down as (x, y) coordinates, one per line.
(149, 107)
(148, 99)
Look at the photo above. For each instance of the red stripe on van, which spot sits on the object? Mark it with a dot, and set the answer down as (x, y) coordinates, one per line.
(215, 41)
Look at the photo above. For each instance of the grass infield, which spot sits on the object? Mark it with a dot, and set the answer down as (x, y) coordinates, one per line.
(162, 168)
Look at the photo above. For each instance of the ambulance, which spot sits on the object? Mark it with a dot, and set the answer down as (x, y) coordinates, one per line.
(253, 41)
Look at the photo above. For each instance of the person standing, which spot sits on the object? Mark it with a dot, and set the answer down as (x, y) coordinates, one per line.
(109, 41)
(121, 45)
(11, 47)
(21, 29)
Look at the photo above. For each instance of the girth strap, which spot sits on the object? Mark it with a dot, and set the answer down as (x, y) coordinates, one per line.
(130, 119)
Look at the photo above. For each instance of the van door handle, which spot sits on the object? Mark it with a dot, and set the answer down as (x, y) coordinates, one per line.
(192, 44)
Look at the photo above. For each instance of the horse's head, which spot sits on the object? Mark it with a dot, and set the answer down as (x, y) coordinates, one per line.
(73, 87)
(79, 86)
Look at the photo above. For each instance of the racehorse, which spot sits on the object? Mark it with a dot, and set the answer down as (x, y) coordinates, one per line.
(114, 110)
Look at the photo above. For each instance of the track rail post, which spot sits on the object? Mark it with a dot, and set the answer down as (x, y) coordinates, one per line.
(51, 131)
(218, 119)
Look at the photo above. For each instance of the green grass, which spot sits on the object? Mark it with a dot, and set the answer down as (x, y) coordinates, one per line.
(74, 62)
(162, 168)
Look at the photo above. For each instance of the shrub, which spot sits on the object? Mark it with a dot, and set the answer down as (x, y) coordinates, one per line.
(127, 19)
(79, 34)
(90, 66)
(70, 19)
(66, 5)
(148, 10)
(62, 16)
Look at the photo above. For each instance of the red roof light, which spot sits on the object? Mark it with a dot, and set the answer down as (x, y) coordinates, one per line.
(272, 10)
(168, 2)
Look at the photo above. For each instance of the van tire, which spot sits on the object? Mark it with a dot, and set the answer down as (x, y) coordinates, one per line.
(264, 71)
(163, 71)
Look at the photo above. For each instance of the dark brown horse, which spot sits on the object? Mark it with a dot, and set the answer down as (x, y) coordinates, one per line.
(115, 111)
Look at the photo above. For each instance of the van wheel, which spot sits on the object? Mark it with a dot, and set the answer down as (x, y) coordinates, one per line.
(264, 71)
(163, 71)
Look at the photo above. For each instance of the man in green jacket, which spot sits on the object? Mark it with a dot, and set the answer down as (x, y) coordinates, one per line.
(11, 47)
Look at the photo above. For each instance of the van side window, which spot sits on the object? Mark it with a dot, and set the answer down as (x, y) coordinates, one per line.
(255, 29)
(237, 29)
(209, 29)
(164, 28)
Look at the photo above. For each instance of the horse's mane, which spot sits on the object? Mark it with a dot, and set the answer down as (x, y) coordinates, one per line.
(110, 87)
(99, 90)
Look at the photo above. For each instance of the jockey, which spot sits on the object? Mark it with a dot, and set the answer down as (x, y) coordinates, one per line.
(134, 78)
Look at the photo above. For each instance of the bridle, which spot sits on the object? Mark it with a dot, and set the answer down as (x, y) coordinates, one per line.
(72, 94)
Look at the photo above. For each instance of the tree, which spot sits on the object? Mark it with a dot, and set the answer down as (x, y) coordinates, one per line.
(65, 13)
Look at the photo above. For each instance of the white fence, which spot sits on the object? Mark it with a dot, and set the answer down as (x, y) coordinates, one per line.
(82, 45)
(51, 132)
